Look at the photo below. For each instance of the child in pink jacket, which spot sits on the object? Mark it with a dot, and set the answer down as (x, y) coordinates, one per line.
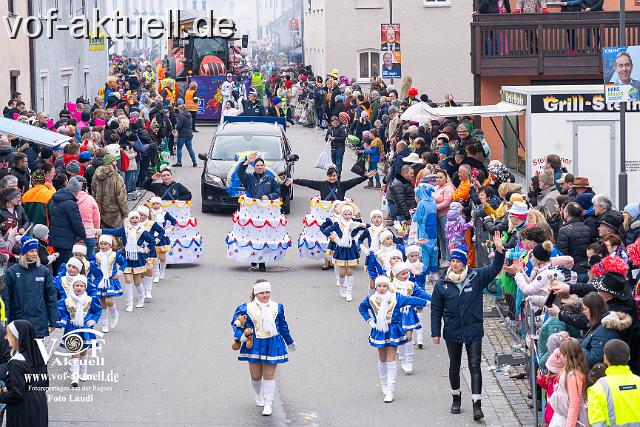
(90, 214)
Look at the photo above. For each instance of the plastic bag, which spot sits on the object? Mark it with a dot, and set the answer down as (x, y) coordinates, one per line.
(324, 159)
(384, 206)
(359, 167)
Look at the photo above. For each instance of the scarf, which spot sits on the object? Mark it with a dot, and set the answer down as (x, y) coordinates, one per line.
(80, 301)
(70, 279)
(381, 316)
(158, 216)
(384, 257)
(374, 232)
(455, 277)
(104, 267)
(345, 227)
(131, 248)
(267, 321)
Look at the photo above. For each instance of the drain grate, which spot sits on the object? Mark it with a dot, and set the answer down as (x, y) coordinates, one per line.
(279, 269)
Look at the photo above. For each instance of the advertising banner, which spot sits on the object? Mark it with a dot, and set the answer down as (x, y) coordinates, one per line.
(621, 78)
(390, 52)
(209, 96)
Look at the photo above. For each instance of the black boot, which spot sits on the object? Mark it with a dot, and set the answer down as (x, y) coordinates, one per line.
(455, 405)
(262, 267)
(477, 410)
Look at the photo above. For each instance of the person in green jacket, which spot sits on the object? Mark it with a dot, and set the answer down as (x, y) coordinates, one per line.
(35, 201)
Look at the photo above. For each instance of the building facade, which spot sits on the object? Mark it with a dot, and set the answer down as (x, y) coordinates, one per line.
(66, 68)
(434, 36)
(15, 73)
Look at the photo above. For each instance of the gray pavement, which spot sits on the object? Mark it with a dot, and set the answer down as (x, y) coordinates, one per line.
(174, 357)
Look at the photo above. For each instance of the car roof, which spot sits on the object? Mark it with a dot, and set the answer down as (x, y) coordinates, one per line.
(249, 128)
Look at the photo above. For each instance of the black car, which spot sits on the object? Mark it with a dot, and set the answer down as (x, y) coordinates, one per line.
(269, 139)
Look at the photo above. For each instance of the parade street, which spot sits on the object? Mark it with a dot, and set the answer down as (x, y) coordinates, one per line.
(176, 367)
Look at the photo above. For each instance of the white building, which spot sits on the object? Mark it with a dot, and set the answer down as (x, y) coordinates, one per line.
(15, 57)
(66, 68)
(434, 37)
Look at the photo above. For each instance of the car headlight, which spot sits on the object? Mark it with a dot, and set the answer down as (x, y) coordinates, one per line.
(213, 180)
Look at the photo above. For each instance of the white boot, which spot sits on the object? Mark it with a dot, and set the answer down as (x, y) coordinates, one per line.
(341, 283)
(113, 314)
(156, 272)
(268, 392)
(163, 267)
(257, 388)
(348, 283)
(75, 371)
(147, 282)
(84, 365)
(382, 373)
(419, 333)
(104, 321)
(401, 354)
(392, 374)
(140, 291)
(336, 272)
(407, 366)
(128, 296)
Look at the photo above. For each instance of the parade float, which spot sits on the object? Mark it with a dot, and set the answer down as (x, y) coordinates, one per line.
(186, 240)
(312, 243)
(259, 232)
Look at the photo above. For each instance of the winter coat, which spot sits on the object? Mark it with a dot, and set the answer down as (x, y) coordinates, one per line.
(29, 294)
(547, 198)
(403, 195)
(398, 161)
(358, 127)
(339, 136)
(65, 215)
(89, 212)
(184, 125)
(443, 197)
(611, 326)
(633, 233)
(107, 187)
(330, 191)
(373, 152)
(573, 239)
(173, 191)
(591, 220)
(258, 186)
(91, 170)
(19, 215)
(461, 308)
(35, 203)
(425, 215)
(24, 178)
(574, 317)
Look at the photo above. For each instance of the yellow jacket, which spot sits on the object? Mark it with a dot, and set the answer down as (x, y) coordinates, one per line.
(615, 399)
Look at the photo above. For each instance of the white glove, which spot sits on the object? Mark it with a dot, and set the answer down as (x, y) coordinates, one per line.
(292, 346)
(52, 258)
(243, 338)
(91, 323)
(364, 250)
(371, 322)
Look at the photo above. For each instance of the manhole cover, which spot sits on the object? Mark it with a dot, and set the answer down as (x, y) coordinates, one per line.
(279, 269)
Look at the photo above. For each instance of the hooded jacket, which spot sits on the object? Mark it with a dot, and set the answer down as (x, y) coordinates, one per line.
(107, 187)
(35, 203)
(89, 212)
(64, 213)
(611, 326)
(425, 215)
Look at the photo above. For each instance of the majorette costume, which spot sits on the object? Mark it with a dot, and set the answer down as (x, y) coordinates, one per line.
(271, 333)
(137, 244)
(64, 281)
(346, 253)
(417, 270)
(382, 312)
(156, 231)
(377, 262)
(110, 264)
(161, 217)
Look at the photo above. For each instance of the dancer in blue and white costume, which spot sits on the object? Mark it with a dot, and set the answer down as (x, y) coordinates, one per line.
(378, 260)
(271, 333)
(112, 265)
(410, 320)
(418, 275)
(67, 275)
(382, 311)
(372, 235)
(163, 246)
(157, 233)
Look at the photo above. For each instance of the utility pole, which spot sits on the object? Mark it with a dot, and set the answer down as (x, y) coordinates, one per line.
(622, 177)
(391, 20)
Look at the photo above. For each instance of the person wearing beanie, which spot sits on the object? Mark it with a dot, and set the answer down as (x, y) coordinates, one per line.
(360, 124)
(631, 223)
(73, 168)
(457, 301)
(108, 190)
(134, 239)
(381, 243)
(11, 211)
(538, 282)
(549, 381)
(336, 135)
(39, 308)
(35, 201)
(409, 317)
(112, 265)
(383, 312)
(278, 110)
(79, 310)
(261, 333)
(41, 234)
(549, 192)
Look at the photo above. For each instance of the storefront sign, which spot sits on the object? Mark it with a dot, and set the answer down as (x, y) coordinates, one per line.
(576, 103)
(514, 98)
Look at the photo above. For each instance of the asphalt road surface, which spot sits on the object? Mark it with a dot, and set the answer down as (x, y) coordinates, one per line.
(174, 360)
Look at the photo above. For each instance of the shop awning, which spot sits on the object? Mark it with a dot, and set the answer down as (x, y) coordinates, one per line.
(500, 109)
(32, 133)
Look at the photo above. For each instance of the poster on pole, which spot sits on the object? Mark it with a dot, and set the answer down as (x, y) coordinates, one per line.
(390, 51)
(621, 73)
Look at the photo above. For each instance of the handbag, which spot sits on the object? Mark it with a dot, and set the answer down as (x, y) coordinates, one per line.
(358, 167)
(324, 159)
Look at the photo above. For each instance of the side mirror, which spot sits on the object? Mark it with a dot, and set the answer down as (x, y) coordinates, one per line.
(293, 158)
(202, 156)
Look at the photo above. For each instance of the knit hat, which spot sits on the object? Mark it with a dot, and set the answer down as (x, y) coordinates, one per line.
(79, 249)
(73, 167)
(108, 159)
(106, 239)
(554, 362)
(399, 268)
(143, 210)
(74, 185)
(40, 231)
(80, 278)
(444, 150)
(28, 243)
(459, 253)
(37, 177)
(411, 249)
(383, 235)
(366, 134)
(343, 117)
(75, 262)
(376, 212)
(276, 100)
(633, 209)
(155, 199)
(585, 200)
(382, 279)
(261, 287)
(542, 251)
(554, 340)
(364, 114)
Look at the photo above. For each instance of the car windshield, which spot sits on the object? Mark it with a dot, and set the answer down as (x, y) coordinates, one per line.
(226, 146)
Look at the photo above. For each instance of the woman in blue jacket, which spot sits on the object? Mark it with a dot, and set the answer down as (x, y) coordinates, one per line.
(457, 299)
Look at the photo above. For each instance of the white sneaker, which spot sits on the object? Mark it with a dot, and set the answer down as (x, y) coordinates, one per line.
(113, 322)
(147, 295)
(129, 308)
(140, 303)
(407, 368)
(267, 410)
(105, 328)
(84, 378)
(156, 279)
(388, 397)
(259, 399)
(349, 297)
(161, 274)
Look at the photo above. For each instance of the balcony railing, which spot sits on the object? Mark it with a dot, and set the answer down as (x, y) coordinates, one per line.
(552, 44)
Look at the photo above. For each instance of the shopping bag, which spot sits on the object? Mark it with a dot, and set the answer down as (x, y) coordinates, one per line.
(324, 159)
(359, 167)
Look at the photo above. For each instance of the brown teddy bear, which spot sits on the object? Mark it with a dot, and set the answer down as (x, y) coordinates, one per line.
(248, 333)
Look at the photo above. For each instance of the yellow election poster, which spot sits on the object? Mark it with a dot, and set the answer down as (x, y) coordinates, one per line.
(96, 42)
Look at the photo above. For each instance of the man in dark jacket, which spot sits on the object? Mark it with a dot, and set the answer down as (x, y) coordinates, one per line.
(167, 188)
(337, 134)
(331, 189)
(65, 215)
(574, 237)
(251, 106)
(402, 194)
(259, 185)
(29, 293)
(20, 170)
(184, 135)
(457, 300)
(402, 151)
